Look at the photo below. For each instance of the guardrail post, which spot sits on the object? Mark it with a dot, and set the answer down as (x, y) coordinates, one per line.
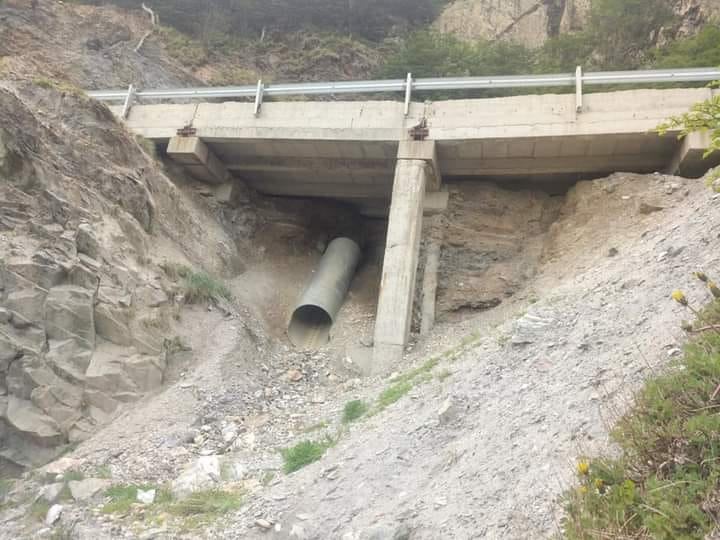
(408, 93)
(129, 99)
(579, 89)
(259, 97)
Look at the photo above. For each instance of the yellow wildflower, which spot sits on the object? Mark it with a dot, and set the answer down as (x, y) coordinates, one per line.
(599, 483)
(583, 468)
(714, 289)
(583, 490)
(701, 276)
(679, 297)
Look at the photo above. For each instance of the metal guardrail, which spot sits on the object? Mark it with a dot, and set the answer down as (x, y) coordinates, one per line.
(410, 85)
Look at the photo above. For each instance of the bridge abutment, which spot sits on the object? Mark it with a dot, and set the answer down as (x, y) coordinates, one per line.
(416, 171)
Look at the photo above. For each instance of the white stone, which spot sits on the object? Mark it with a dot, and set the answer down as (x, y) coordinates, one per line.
(203, 474)
(53, 514)
(146, 496)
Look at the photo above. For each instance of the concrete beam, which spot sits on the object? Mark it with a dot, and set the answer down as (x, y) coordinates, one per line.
(195, 156)
(310, 164)
(423, 151)
(689, 160)
(397, 286)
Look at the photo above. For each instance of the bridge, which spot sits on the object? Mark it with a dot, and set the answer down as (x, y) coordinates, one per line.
(390, 158)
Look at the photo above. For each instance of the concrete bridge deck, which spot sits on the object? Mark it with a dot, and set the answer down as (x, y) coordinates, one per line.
(348, 150)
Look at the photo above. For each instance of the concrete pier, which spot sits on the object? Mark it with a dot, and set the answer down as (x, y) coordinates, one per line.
(415, 170)
(195, 156)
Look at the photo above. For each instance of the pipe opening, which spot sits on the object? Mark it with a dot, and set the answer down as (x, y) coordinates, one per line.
(309, 327)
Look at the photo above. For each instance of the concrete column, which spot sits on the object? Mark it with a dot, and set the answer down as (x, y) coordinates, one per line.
(429, 286)
(689, 160)
(195, 156)
(415, 169)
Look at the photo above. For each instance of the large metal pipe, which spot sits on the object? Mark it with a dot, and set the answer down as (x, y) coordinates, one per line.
(314, 315)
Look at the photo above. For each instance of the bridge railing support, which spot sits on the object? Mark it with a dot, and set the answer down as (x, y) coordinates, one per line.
(579, 89)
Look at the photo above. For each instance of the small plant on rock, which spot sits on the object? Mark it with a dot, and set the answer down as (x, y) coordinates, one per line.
(201, 287)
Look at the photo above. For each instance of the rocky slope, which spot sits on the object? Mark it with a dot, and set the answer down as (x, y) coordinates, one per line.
(482, 444)
(532, 22)
(86, 219)
(89, 47)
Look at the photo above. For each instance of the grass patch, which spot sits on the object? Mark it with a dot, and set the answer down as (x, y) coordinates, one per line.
(198, 287)
(201, 287)
(304, 453)
(188, 51)
(6, 485)
(39, 509)
(316, 427)
(63, 87)
(353, 410)
(103, 471)
(175, 271)
(422, 370)
(393, 393)
(267, 477)
(123, 497)
(208, 503)
(666, 484)
(73, 476)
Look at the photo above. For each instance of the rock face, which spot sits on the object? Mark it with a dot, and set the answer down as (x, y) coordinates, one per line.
(492, 241)
(532, 22)
(83, 307)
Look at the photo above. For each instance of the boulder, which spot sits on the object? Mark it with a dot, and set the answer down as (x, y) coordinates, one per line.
(111, 323)
(8, 352)
(30, 422)
(51, 492)
(69, 359)
(27, 373)
(106, 373)
(84, 490)
(86, 241)
(100, 400)
(53, 514)
(44, 275)
(69, 314)
(61, 401)
(84, 277)
(145, 371)
(202, 474)
(147, 295)
(28, 303)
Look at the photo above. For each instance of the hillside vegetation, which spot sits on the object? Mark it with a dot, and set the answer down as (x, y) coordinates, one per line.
(240, 41)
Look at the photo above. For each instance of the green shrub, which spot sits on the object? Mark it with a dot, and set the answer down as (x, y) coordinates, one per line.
(209, 503)
(393, 393)
(123, 497)
(202, 287)
(186, 50)
(304, 453)
(666, 484)
(353, 410)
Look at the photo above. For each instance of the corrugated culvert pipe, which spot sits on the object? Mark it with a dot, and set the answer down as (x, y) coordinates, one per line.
(315, 313)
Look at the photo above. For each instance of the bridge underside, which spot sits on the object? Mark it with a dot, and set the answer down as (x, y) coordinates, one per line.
(348, 150)
(362, 153)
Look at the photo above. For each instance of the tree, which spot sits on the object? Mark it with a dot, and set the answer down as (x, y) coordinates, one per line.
(703, 116)
(622, 29)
